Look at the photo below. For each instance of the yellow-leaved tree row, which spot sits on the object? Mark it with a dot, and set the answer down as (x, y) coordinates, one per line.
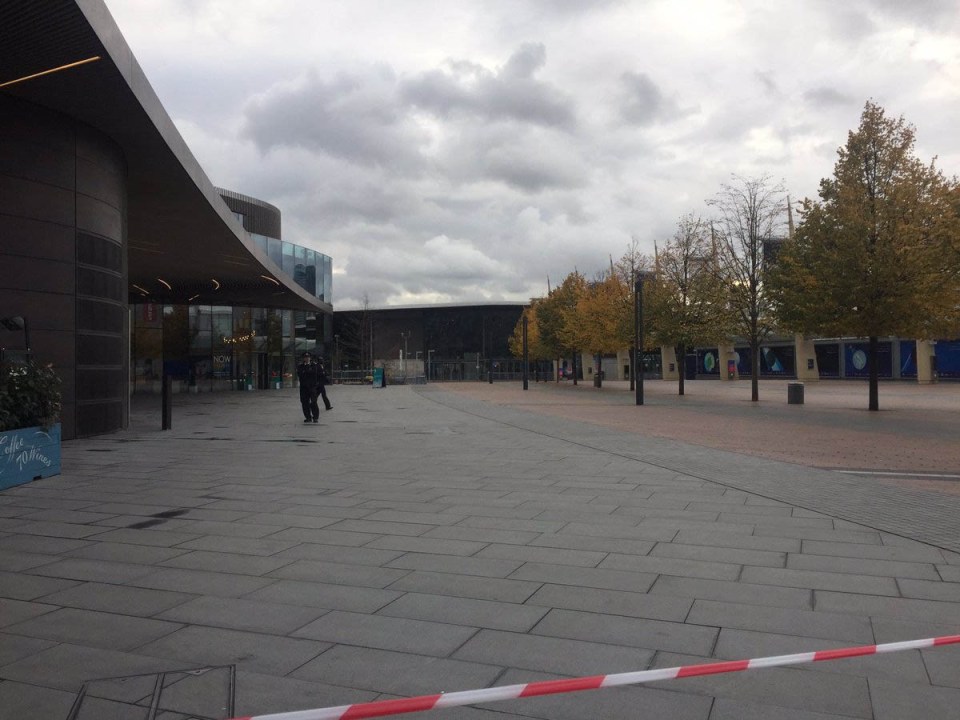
(878, 254)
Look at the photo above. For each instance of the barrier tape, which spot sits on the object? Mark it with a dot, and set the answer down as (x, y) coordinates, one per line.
(382, 708)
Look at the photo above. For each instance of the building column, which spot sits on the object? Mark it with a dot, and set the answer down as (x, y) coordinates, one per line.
(805, 355)
(623, 362)
(926, 360)
(726, 353)
(670, 368)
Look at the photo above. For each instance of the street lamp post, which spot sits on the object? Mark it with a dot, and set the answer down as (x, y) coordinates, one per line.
(339, 365)
(638, 339)
(405, 336)
(526, 356)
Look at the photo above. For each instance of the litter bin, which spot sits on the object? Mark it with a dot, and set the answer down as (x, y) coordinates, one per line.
(795, 393)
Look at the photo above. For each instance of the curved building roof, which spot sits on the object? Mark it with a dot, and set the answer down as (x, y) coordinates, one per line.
(179, 228)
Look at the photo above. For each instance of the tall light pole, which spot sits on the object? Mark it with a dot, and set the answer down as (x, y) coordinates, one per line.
(405, 336)
(339, 365)
(526, 356)
(638, 339)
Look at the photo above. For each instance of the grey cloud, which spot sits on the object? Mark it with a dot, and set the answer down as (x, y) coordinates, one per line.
(643, 103)
(923, 12)
(530, 160)
(517, 170)
(826, 97)
(769, 84)
(525, 62)
(355, 117)
(512, 94)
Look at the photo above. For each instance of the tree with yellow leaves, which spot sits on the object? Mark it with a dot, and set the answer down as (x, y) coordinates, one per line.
(876, 255)
(686, 297)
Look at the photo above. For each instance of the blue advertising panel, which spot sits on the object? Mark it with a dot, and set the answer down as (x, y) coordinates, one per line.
(743, 356)
(708, 362)
(774, 361)
(856, 360)
(908, 358)
(948, 358)
(778, 361)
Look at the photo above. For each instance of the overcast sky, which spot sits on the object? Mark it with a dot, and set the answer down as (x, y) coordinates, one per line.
(453, 151)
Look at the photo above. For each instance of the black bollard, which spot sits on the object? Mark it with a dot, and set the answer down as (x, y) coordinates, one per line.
(167, 403)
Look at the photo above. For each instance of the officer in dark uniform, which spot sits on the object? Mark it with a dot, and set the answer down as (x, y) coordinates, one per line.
(308, 373)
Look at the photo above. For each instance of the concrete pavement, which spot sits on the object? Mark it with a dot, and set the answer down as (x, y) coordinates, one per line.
(426, 539)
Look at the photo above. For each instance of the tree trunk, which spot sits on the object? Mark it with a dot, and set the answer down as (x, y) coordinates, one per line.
(598, 376)
(575, 370)
(634, 368)
(754, 371)
(874, 361)
(680, 350)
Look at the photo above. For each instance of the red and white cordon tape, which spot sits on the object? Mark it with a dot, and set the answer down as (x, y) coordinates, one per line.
(382, 708)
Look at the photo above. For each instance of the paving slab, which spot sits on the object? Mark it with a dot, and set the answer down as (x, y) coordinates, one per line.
(110, 631)
(633, 632)
(387, 633)
(550, 654)
(256, 652)
(119, 599)
(446, 538)
(395, 672)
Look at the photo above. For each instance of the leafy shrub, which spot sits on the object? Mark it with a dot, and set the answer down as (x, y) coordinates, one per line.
(29, 395)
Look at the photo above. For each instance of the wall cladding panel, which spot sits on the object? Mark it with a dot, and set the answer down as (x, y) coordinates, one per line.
(29, 199)
(99, 418)
(100, 284)
(98, 316)
(23, 273)
(39, 163)
(36, 239)
(95, 250)
(99, 218)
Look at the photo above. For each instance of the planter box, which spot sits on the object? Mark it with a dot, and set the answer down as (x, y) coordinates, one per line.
(29, 454)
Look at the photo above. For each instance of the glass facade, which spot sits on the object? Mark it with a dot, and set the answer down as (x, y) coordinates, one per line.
(311, 270)
(206, 348)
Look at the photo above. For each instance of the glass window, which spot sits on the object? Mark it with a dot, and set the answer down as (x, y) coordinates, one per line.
(222, 331)
(327, 279)
(288, 260)
(274, 251)
(311, 273)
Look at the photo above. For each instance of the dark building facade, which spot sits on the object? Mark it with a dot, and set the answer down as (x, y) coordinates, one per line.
(63, 256)
(106, 218)
(451, 342)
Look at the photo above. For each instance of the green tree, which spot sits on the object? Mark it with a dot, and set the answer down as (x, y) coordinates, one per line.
(686, 296)
(876, 255)
(750, 218)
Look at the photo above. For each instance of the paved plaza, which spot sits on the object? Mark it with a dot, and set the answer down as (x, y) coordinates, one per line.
(440, 538)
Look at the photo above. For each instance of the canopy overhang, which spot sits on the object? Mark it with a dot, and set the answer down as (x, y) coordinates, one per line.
(184, 244)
